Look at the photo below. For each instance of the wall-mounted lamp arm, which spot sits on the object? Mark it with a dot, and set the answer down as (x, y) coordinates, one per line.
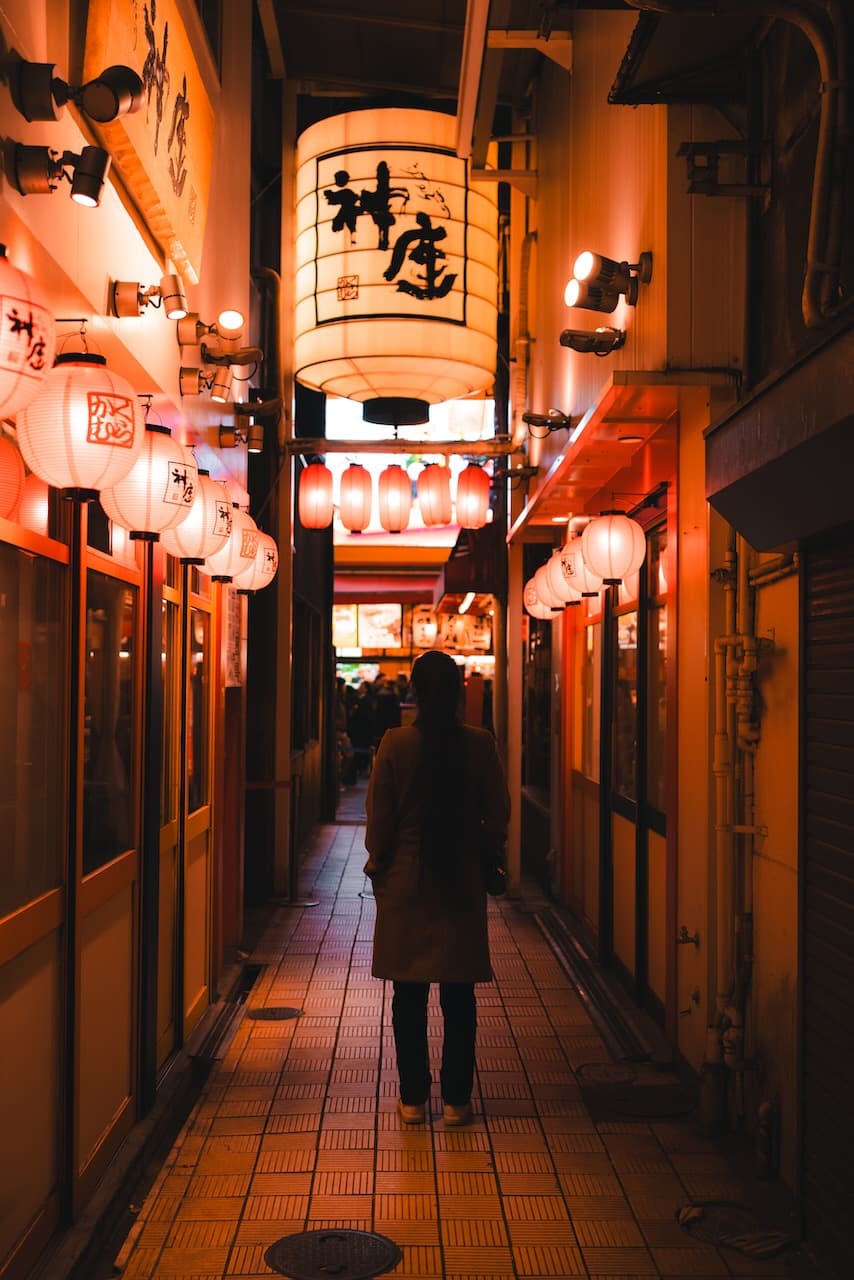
(38, 93)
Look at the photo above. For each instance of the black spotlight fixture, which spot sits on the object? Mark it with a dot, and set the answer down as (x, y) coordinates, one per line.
(40, 94)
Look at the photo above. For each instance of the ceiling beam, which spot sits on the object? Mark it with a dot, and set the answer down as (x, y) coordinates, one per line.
(496, 448)
(557, 47)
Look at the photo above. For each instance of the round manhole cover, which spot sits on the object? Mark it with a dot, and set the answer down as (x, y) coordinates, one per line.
(275, 1013)
(332, 1255)
(606, 1073)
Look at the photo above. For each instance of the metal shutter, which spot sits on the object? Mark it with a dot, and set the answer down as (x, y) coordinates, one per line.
(827, 944)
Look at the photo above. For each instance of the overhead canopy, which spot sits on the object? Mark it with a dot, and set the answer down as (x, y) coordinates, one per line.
(686, 58)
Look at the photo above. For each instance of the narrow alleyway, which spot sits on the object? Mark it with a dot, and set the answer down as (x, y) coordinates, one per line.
(297, 1130)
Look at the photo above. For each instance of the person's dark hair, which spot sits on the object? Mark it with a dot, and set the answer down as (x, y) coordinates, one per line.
(436, 685)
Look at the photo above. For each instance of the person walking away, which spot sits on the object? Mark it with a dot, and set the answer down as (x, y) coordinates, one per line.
(436, 796)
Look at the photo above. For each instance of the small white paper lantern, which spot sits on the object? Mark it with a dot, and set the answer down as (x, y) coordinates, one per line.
(206, 527)
(568, 573)
(547, 596)
(395, 498)
(434, 494)
(85, 429)
(27, 337)
(239, 550)
(12, 477)
(533, 604)
(159, 490)
(613, 546)
(262, 571)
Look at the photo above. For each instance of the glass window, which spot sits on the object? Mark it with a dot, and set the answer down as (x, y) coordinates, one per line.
(656, 675)
(198, 711)
(170, 658)
(32, 745)
(109, 726)
(537, 712)
(590, 694)
(626, 705)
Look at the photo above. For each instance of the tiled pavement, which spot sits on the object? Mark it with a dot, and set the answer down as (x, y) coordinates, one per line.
(297, 1130)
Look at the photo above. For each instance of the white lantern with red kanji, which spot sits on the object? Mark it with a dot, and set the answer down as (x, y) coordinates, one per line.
(434, 494)
(472, 497)
(354, 499)
(262, 571)
(239, 549)
(533, 604)
(206, 526)
(159, 490)
(314, 501)
(85, 429)
(27, 338)
(12, 477)
(395, 498)
(547, 596)
(613, 546)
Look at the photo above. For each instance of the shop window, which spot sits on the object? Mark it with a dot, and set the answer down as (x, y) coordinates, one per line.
(307, 660)
(109, 726)
(625, 745)
(170, 657)
(198, 712)
(536, 721)
(591, 676)
(656, 668)
(32, 745)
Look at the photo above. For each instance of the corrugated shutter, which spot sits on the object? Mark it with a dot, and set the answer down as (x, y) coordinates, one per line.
(828, 903)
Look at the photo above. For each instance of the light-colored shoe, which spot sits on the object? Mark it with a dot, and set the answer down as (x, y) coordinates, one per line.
(458, 1115)
(411, 1114)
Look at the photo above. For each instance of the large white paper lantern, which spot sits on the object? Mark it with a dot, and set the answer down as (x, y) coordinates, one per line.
(354, 498)
(547, 597)
(239, 550)
(85, 429)
(314, 499)
(159, 490)
(395, 498)
(207, 525)
(472, 497)
(568, 575)
(613, 546)
(12, 476)
(396, 262)
(263, 568)
(534, 605)
(434, 494)
(27, 337)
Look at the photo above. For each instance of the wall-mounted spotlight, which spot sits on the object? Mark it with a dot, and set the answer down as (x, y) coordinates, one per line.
(242, 355)
(601, 342)
(597, 283)
(253, 437)
(128, 298)
(542, 424)
(39, 94)
(228, 326)
(39, 171)
(195, 382)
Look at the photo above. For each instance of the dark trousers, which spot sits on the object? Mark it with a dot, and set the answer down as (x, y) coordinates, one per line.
(409, 1020)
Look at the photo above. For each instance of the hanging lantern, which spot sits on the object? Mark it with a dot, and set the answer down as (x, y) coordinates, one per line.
(84, 430)
(395, 498)
(159, 490)
(263, 568)
(546, 596)
(315, 497)
(354, 499)
(239, 550)
(12, 477)
(27, 338)
(34, 507)
(533, 604)
(568, 575)
(613, 546)
(396, 262)
(472, 497)
(206, 526)
(434, 494)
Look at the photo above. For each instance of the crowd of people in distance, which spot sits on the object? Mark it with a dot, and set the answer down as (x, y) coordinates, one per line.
(362, 717)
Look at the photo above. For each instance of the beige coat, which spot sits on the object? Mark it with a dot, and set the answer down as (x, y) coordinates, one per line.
(423, 934)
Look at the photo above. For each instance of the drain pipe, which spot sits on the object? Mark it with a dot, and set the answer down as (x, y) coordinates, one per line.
(825, 30)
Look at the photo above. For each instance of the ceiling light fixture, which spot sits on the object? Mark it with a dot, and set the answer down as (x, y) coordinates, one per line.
(39, 94)
(598, 283)
(128, 298)
(39, 171)
(601, 342)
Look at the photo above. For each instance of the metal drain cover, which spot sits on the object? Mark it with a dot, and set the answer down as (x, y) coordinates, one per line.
(596, 1073)
(322, 1255)
(275, 1013)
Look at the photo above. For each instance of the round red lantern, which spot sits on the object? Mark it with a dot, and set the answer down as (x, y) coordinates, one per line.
(239, 550)
(354, 499)
(262, 571)
(206, 526)
(12, 476)
(315, 497)
(84, 430)
(613, 546)
(34, 507)
(434, 494)
(472, 497)
(27, 338)
(395, 497)
(159, 490)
